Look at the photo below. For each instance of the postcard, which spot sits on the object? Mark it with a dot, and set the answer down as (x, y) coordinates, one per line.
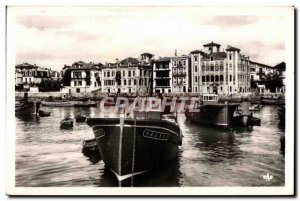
(150, 100)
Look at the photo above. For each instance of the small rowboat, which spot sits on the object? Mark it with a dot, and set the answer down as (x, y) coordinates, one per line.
(80, 118)
(43, 113)
(66, 123)
(90, 147)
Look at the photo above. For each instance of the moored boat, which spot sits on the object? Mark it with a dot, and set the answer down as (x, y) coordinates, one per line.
(66, 123)
(80, 118)
(58, 103)
(134, 145)
(213, 113)
(43, 113)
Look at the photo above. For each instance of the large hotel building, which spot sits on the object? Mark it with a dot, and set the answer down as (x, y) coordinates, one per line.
(213, 71)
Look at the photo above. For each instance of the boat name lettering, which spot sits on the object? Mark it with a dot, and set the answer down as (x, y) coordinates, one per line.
(155, 135)
(99, 133)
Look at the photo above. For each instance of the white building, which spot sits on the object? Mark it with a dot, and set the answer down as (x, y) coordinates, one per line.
(258, 71)
(180, 74)
(131, 75)
(85, 77)
(213, 71)
(30, 74)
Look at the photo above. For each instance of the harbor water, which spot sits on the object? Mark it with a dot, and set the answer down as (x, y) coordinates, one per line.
(47, 156)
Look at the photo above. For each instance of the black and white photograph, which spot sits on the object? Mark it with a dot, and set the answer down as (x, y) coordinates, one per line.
(150, 100)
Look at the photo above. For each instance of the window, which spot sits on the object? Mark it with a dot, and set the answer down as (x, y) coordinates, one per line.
(79, 83)
(211, 58)
(133, 73)
(124, 82)
(230, 89)
(203, 78)
(196, 89)
(113, 73)
(77, 74)
(203, 68)
(95, 84)
(217, 68)
(129, 74)
(174, 63)
(77, 90)
(196, 79)
(108, 74)
(75, 83)
(230, 57)
(230, 78)
(212, 67)
(129, 82)
(196, 68)
(196, 58)
(104, 73)
(134, 82)
(184, 63)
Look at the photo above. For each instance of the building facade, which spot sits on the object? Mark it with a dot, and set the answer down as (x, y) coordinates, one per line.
(85, 77)
(258, 71)
(180, 74)
(213, 71)
(130, 75)
(28, 74)
(162, 75)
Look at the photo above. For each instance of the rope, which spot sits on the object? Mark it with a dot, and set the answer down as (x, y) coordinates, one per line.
(133, 152)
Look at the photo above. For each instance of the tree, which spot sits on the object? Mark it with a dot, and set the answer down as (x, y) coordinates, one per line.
(272, 81)
(49, 85)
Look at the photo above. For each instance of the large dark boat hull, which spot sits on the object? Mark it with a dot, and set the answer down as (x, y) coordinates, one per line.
(213, 115)
(135, 146)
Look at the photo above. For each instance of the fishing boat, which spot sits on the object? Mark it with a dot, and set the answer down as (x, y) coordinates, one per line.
(254, 107)
(86, 104)
(136, 144)
(25, 107)
(43, 113)
(66, 123)
(80, 118)
(211, 112)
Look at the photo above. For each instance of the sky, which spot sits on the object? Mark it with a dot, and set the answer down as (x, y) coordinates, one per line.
(52, 37)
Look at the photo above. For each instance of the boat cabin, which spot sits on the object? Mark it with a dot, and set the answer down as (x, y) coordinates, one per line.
(147, 108)
(210, 99)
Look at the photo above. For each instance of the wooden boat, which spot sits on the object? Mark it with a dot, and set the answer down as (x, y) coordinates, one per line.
(66, 123)
(25, 107)
(90, 147)
(43, 113)
(80, 118)
(134, 145)
(255, 108)
(58, 103)
(213, 113)
(86, 104)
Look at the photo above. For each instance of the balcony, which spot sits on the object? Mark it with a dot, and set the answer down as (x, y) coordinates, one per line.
(180, 74)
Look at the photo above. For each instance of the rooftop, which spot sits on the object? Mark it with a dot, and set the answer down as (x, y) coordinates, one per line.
(215, 55)
(211, 44)
(163, 59)
(231, 48)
